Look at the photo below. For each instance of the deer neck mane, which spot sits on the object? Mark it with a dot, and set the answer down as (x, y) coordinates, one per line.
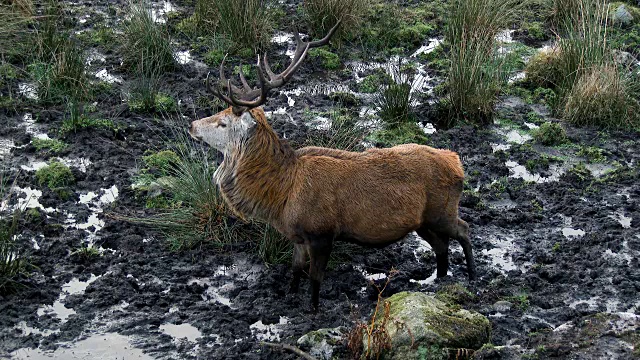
(258, 172)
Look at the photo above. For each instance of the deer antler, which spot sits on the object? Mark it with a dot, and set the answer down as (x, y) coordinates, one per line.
(248, 97)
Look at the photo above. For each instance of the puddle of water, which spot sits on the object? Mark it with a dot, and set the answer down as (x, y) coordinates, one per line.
(598, 170)
(282, 38)
(28, 330)
(320, 123)
(32, 129)
(33, 165)
(625, 254)
(270, 332)
(531, 125)
(106, 77)
(108, 196)
(501, 253)
(428, 47)
(80, 163)
(73, 287)
(515, 137)
(97, 347)
(214, 293)
(30, 201)
(95, 56)
(520, 172)
(289, 94)
(497, 147)
(30, 91)
(183, 57)
(188, 331)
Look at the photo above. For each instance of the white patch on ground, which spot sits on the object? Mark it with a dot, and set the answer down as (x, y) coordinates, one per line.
(33, 165)
(160, 11)
(624, 221)
(598, 169)
(73, 287)
(624, 254)
(30, 201)
(498, 147)
(270, 332)
(30, 91)
(93, 223)
(289, 94)
(501, 255)
(95, 56)
(429, 46)
(188, 331)
(106, 77)
(79, 163)
(531, 126)
(520, 172)
(182, 57)
(505, 36)
(368, 276)
(515, 137)
(428, 128)
(5, 147)
(430, 279)
(99, 347)
(320, 123)
(520, 75)
(572, 233)
(28, 330)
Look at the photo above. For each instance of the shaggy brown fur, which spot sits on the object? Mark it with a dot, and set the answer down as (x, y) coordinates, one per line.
(315, 196)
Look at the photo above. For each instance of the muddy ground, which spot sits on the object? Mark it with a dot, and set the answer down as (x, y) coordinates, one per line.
(555, 247)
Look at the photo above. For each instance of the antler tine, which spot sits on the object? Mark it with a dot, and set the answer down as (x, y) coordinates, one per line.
(265, 86)
(267, 68)
(223, 78)
(325, 40)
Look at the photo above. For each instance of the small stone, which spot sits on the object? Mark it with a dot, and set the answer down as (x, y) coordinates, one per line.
(502, 306)
(622, 16)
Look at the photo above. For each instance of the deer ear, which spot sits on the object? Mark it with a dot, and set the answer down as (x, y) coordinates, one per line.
(238, 110)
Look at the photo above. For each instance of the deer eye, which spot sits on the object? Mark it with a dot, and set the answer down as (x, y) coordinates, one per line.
(221, 124)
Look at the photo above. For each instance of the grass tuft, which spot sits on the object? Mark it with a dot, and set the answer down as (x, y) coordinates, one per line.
(550, 134)
(477, 70)
(13, 266)
(247, 22)
(322, 15)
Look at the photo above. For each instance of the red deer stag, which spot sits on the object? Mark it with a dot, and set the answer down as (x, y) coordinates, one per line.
(315, 196)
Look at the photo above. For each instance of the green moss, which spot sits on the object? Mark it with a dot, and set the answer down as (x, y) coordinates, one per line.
(99, 36)
(53, 145)
(214, 57)
(593, 154)
(454, 294)
(7, 72)
(165, 103)
(556, 247)
(414, 35)
(56, 175)
(404, 133)
(521, 301)
(535, 30)
(33, 213)
(550, 134)
(162, 161)
(83, 122)
(344, 98)
(330, 61)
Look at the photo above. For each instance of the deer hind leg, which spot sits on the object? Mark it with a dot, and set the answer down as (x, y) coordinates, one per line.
(319, 252)
(300, 253)
(463, 237)
(440, 246)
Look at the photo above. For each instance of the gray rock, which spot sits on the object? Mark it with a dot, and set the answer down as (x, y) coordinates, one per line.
(321, 343)
(419, 322)
(502, 306)
(622, 16)
(623, 58)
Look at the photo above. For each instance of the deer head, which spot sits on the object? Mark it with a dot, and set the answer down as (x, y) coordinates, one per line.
(236, 122)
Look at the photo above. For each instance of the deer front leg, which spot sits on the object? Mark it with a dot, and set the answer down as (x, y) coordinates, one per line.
(319, 252)
(299, 264)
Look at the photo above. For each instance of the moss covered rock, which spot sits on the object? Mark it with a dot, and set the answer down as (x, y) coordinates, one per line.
(426, 322)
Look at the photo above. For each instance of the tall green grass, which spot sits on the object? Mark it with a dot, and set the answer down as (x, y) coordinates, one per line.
(344, 133)
(146, 45)
(395, 98)
(476, 69)
(247, 22)
(13, 266)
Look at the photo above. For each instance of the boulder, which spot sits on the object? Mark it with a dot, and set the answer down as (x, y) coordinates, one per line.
(431, 325)
(622, 16)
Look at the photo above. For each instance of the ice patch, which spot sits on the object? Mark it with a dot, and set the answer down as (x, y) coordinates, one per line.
(501, 254)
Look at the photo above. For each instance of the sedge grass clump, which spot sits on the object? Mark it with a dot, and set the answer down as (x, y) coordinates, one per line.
(247, 22)
(322, 15)
(146, 45)
(550, 134)
(476, 69)
(604, 97)
(55, 176)
(344, 133)
(13, 266)
(544, 69)
(395, 99)
(16, 35)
